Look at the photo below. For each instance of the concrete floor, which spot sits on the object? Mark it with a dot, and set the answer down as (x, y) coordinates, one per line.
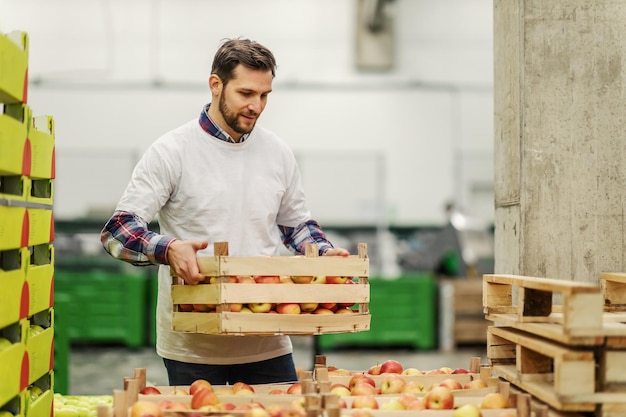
(98, 370)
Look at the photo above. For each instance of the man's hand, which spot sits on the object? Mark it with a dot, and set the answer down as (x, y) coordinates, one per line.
(182, 258)
(336, 252)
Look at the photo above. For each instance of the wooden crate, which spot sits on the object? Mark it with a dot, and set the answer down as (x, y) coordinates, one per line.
(223, 293)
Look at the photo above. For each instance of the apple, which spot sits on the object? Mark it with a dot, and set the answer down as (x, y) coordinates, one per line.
(321, 310)
(260, 307)
(286, 279)
(451, 383)
(36, 329)
(172, 405)
(340, 389)
(302, 279)
(204, 397)
(4, 343)
(145, 409)
(199, 383)
(241, 388)
(417, 404)
(439, 398)
(227, 406)
(342, 403)
(475, 384)
(245, 279)
(288, 308)
(277, 391)
(461, 371)
(336, 280)
(374, 369)
(493, 400)
(150, 390)
(185, 307)
(361, 377)
(365, 401)
(308, 307)
(267, 279)
(295, 388)
(411, 371)
(413, 386)
(407, 398)
(245, 309)
(274, 410)
(391, 366)
(392, 384)
(339, 372)
(393, 404)
(467, 410)
(446, 370)
(235, 307)
(344, 310)
(257, 412)
(434, 372)
(329, 305)
(319, 279)
(203, 308)
(363, 389)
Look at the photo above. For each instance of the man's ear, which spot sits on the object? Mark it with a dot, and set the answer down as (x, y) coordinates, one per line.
(215, 84)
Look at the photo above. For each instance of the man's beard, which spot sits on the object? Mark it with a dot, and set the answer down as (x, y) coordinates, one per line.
(231, 118)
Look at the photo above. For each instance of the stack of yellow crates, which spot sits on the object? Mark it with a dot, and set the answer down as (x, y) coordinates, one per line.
(27, 172)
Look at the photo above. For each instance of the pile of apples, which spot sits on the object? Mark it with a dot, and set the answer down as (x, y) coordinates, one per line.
(278, 308)
(79, 405)
(206, 399)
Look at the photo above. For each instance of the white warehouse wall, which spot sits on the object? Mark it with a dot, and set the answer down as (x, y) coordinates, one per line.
(116, 74)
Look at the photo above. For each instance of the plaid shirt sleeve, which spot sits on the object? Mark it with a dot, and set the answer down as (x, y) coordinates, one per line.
(126, 237)
(296, 238)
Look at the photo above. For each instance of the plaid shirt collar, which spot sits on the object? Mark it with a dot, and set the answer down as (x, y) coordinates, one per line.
(213, 129)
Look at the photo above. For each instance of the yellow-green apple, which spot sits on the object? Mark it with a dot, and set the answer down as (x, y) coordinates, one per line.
(288, 308)
(150, 390)
(260, 307)
(204, 397)
(365, 401)
(439, 398)
(361, 377)
(257, 412)
(245, 279)
(319, 279)
(331, 279)
(391, 366)
(451, 383)
(245, 309)
(461, 371)
(321, 310)
(374, 369)
(363, 388)
(267, 279)
(199, 383)
(344, 310)
(36, 329)
(467, 410)
(493, 400)
(241, 388)
(475, 384)
(340, 389)
(295, 388)
(392, 404)
(286, 279)
(392, 384)
(413, 386)
(302, 279)
(411, 371)
(308, 307)
(145, 409)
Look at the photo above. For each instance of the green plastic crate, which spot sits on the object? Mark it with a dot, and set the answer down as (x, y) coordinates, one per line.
(61, 346)
(104, 306)
(404, 314)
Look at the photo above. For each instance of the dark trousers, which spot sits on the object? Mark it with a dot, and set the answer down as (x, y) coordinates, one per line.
(276, 370)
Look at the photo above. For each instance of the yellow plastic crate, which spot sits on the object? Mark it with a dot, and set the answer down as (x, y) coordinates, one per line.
(14, 366)
(40, 226)
(39, 278)
(41, 191)
(42, 142)
(40, 345)
(14, 297)
(14, 227)
(14, 67)
(15, 148)
(42, 405)
(14, 187)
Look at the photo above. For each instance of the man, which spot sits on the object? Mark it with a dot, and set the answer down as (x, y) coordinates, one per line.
(217, 178)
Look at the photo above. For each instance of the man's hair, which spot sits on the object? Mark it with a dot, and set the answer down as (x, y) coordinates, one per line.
(248, 53)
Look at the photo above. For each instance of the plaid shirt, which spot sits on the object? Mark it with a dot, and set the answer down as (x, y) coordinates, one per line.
(126, 236)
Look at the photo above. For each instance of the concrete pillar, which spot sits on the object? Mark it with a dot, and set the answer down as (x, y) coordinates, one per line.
(560, 137)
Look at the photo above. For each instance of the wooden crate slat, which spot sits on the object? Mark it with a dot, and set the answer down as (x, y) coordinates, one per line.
(614, 289)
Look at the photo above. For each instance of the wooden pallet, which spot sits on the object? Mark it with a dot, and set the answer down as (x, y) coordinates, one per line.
(561, 376)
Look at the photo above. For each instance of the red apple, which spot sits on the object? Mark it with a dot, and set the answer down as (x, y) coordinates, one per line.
(329, 305)
(407, 398)
(392, 384)
(204, 397)
(246, 279)
(235, 307)
(277, 391)
(173, 405)
(288, 308)
(493, 400)
(203, 308)
(467, 410)
(360, 377)
(260, 307)
(451, 383)
(306, 279)
(413, 386)
(145, 409)
(267, 279)
(336, 279)
(363, 389)
(199, 383)
(185, 307)
(365, 401)
(374, 369)
(241, 388)
(320, 310)
(439, 398)
(461, 371)
(391, 366)
(150, 390)
(295, 388)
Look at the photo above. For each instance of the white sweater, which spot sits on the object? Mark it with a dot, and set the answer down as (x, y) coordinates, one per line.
(203, 188)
